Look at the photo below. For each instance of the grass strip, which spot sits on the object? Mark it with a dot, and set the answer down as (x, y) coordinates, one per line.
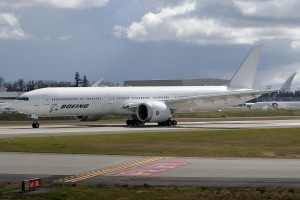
(147, 192)
(261, 143)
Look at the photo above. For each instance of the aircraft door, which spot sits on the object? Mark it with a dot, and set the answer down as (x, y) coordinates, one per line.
(46, 100)
(108, 99)
(173, 96)
(109, 102)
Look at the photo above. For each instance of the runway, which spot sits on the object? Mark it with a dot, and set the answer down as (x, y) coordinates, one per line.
(81, 129)
(132, 170)
(155, 171)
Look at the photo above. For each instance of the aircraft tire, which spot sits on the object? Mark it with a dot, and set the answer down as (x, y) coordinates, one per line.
(174, 122)
(35, 125)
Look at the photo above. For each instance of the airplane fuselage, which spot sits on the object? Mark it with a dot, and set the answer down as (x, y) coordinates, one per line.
(49, 102)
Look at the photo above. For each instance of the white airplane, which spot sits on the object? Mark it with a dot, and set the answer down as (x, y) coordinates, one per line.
(143, 104)
(276, 105)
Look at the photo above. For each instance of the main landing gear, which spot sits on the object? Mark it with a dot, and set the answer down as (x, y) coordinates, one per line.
(35, 123)
(167, 123)
(134, 122)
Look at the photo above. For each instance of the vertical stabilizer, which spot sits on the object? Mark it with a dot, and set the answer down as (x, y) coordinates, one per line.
(244, 76)
(286, 86)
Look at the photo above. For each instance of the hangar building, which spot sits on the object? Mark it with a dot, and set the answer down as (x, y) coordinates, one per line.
(177, 82)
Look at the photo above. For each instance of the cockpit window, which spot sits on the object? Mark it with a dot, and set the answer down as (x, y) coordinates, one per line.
(23, 98)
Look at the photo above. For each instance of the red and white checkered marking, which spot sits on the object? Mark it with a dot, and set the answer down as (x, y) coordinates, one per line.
(152, 169)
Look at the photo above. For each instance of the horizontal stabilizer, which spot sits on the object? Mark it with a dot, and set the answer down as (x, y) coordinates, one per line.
(244, 77)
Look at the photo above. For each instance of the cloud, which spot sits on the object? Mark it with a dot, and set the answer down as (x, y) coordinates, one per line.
(279, 74)
(152, 23)
(10, 27)
(179, 24)
(68, 4)
(65, 37)
(269, 8)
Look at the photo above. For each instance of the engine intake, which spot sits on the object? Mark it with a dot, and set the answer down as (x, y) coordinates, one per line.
(153, 112)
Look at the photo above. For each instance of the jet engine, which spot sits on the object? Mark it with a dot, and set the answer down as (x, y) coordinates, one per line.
(153, 112)
(89, 117)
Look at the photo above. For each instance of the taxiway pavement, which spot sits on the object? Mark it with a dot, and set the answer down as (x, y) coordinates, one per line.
(81, 129)
(130, 170)
(133, 170)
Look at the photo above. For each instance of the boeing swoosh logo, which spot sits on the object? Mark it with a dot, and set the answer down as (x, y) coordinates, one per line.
(54, 107)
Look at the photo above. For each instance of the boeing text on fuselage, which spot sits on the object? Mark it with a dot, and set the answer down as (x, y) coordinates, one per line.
(55, 107)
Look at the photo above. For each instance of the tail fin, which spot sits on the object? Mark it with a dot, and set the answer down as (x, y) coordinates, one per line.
(244, 76)
(287, 84)
(98, 83)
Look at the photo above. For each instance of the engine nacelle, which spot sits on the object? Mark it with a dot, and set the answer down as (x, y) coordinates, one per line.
(153, 112)
(89, 117)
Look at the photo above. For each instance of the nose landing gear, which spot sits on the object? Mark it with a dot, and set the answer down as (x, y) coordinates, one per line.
(35, 123)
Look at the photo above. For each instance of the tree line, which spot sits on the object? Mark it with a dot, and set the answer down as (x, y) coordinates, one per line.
(21, 85)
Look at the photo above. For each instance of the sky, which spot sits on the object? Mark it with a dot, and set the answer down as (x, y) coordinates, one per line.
(141, 39)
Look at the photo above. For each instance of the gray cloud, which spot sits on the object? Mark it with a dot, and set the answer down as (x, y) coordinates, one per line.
(10, 27)
(269, 8)
(180, 23)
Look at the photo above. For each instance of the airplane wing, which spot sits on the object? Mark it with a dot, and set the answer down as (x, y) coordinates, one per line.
(191, 103)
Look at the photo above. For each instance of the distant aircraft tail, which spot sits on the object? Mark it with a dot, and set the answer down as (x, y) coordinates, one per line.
(286, 86)
(244, 76)
(98, 83)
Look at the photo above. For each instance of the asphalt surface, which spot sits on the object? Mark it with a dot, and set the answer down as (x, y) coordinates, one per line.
(132, 170)
(80, 129)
